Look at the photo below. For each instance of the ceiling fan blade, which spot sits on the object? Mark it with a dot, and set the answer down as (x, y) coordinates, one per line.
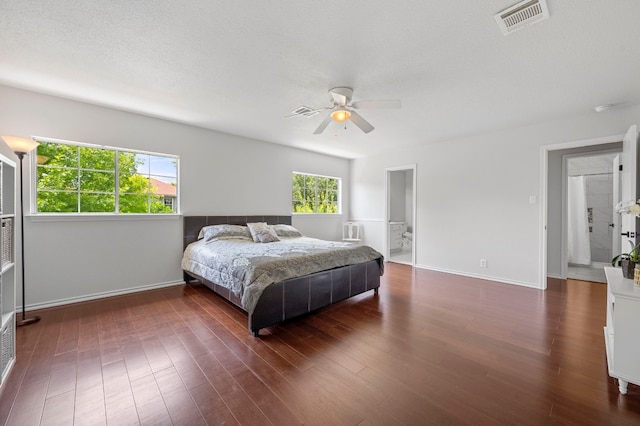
(323, 125)
(377, 104)
(363, 124)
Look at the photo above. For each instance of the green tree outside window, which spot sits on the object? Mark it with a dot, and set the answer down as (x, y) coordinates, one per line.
(81, 179)
(315, 194)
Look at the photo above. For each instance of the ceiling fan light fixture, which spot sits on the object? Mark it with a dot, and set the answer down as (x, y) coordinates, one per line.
(340, 115)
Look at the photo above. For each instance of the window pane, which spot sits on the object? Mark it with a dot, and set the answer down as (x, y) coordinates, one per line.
(53, 154)
(141, 162)
(309, 182)
(134, 203)
(161, 205)
(80, 178)
(164, 192)
(134, 184)
(128, 162)
(97, 159)
(97, 203)
(314, 194)
(302, 207)
(97, 181)
(56, 178)
(162, 166)
(57, 202)
(298, 182)
(162, 185)
(322, 183)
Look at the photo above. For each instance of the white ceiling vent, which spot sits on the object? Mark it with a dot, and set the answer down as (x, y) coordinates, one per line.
(521, 15)
(305, 111)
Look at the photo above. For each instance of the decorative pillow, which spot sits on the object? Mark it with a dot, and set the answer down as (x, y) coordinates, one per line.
(286, 231)
(225, 232)
(262, 233)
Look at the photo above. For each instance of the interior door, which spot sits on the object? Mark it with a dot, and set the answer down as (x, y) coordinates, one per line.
(629, 185)
(615, 221)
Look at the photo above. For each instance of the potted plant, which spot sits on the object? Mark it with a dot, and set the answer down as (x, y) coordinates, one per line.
(628, 260)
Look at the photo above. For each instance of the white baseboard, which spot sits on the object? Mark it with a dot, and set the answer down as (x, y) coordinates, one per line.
(95, 296)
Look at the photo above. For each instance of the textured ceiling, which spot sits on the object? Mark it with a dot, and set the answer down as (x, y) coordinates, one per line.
(242, 66)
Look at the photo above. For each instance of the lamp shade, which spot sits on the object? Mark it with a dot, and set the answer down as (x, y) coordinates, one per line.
(340, 115)
(20, 145)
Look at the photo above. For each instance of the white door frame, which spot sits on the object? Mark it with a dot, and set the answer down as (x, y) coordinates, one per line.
(387, 213)
(616, 238)
(544, 180)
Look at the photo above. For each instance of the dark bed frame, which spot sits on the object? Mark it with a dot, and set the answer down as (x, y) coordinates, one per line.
(291, 298)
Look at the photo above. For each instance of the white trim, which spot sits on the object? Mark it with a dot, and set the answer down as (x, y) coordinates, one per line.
(543, 217)
(88, 217)
(102, 295)
(544, 170)
(313, 214)
(316, 175)
(4, 159)
(108, 147)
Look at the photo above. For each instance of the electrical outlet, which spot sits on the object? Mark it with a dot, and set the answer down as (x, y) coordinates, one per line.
(483, 263)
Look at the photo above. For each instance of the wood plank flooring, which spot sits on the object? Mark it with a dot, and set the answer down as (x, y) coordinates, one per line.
(430, 349)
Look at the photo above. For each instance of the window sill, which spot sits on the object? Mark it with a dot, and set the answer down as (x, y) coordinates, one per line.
(316, 214)
(99, 217)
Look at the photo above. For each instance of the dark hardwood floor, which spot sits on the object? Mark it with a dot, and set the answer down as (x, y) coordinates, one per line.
(431, 348)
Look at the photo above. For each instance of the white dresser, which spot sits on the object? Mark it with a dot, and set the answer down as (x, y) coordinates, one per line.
(396, 229)
(622, 332)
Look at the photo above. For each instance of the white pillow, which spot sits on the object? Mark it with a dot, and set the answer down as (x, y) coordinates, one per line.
(262, 233)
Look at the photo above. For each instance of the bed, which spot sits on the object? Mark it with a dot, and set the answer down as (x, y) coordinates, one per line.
(269, 303)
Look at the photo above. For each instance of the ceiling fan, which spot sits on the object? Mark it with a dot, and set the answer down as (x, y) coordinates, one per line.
(343, 109)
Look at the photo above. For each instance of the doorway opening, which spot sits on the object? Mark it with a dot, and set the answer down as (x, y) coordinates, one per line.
(553, 206)
(589, 197)
(401, 212)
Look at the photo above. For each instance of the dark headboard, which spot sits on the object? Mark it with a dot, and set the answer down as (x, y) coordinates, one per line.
(193, 224)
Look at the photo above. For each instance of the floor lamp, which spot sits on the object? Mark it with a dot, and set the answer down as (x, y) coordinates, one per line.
(21, 147)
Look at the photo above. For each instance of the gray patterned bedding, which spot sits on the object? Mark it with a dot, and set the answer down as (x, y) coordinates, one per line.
(247, 268)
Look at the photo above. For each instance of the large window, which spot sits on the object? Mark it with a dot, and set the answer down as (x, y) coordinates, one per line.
(81, 178)
(315, 194)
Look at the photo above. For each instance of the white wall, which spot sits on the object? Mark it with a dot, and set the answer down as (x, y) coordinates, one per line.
(473, 196)
(220, 174)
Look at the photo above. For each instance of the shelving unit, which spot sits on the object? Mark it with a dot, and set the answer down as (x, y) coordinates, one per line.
(621, 334)
(7, 267)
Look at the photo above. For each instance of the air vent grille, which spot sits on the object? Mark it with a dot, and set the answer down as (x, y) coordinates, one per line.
(305, 111)
(522, 15)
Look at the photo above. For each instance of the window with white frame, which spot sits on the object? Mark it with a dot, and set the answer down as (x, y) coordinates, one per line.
(315, 194)
(82, 178)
